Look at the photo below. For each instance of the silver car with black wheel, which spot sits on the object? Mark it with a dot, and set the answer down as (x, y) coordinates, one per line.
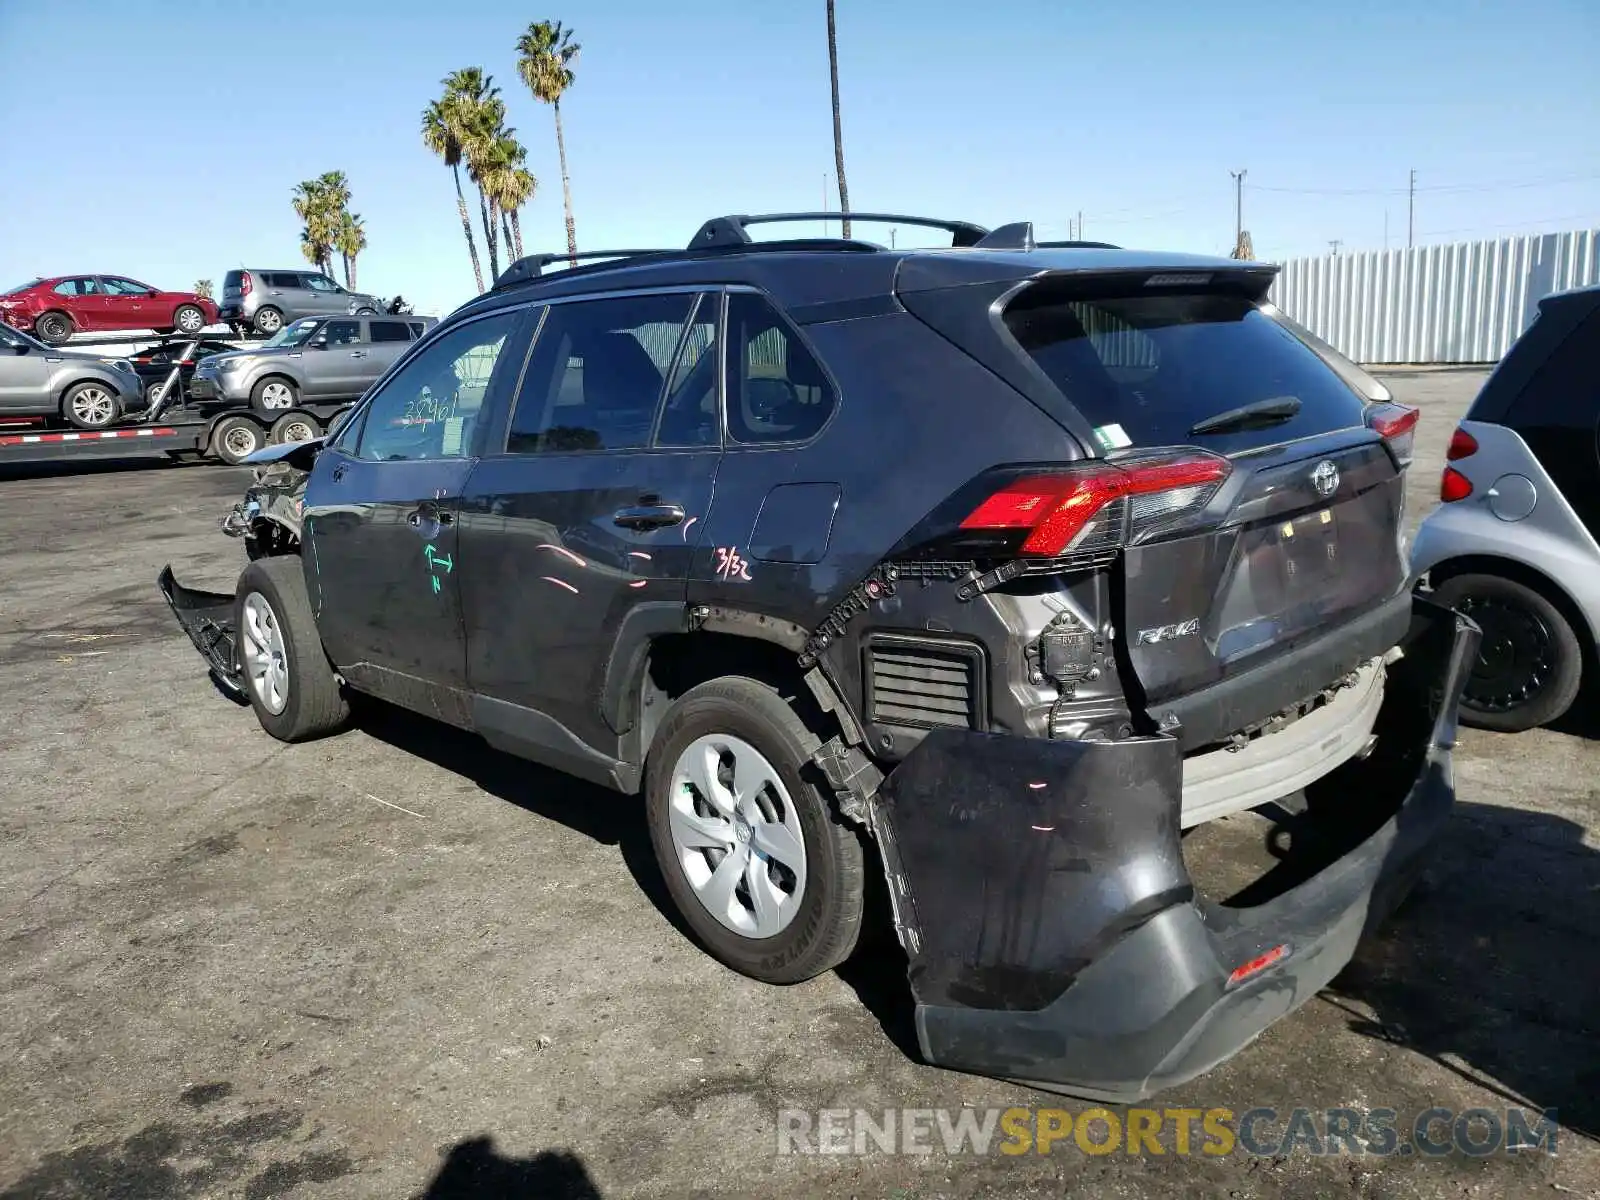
(1513, 543)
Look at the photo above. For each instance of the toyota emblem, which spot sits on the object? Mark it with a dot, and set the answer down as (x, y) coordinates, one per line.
(1325, 478)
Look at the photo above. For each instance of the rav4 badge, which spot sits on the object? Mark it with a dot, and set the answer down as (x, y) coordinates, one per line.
(1165, 633)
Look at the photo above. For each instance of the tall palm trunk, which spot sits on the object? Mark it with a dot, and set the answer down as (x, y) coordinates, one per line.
(516, 229)
(466, 229)
(346, 259)
(512, 253)
(350, 272)
(838, 134)
(489, 236)
(566, 185)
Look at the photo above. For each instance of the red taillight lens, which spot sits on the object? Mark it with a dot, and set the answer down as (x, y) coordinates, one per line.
(1462, 445)
(1082, 507)
(1397, 425)
(244, 283)
(1453, 485)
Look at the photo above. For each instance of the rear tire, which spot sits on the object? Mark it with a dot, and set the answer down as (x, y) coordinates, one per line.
(233, 439)
(1530, 662)
(53, 328)
(291, 684)
(268, 321)
(294, 427)
(738, 729)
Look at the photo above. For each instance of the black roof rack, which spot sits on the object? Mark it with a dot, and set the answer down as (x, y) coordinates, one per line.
(730, 234)
(533, 265)
(731, 231)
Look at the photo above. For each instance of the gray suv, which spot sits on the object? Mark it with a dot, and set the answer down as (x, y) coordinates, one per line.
(39, 380)
(314, 360)
(266, 300)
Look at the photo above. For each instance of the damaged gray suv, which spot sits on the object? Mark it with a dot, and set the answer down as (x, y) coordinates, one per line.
(999, 570)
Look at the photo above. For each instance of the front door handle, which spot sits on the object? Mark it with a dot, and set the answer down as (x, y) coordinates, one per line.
(427, 514)
(358, 354)
(649, 516)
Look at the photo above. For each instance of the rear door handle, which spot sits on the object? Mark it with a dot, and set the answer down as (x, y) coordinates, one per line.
(649, 516)
(358, 354)
(428, 514)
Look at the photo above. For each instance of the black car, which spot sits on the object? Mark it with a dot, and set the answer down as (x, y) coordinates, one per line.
(154, 366)
(995, 568)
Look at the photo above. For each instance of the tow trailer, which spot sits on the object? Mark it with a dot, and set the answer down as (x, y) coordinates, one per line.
(173, 424)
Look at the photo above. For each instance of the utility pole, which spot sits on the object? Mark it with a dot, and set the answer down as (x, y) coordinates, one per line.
(1336, 243)
(1411, 211)
(1079, 238)
(894, 230)
(1238, 207)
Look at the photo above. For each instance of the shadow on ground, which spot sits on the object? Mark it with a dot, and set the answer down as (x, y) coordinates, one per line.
(1489, 968)
(475, 1170)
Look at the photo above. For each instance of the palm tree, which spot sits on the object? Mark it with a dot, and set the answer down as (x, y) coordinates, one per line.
(510, 185)
(441, 135)
(546, 56)
(202, 287)
(838, 133)
(480, 115)
(350, 240)
(316, 235)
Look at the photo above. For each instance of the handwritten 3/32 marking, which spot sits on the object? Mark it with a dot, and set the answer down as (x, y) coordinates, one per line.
(730, 565)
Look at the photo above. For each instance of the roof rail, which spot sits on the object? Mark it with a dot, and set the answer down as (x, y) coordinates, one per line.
(731, 231)
(532, 266)
(1076, 246)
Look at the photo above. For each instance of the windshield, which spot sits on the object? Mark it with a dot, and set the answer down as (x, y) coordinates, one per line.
(12, 338)
(21, 287)
(297, 334)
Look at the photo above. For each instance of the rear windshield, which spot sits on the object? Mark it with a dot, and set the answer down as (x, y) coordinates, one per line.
(1145, 369)
(232, 279)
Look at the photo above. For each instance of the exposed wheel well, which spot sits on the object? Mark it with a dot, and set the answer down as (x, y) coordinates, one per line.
(1528, 577)
(680, 661)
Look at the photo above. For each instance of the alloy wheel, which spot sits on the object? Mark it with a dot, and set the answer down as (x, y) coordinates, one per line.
(93, 406)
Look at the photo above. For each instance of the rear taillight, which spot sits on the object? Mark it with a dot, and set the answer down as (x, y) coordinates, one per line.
(1099, 505)
(1462, 445)
(1397, 425)
(244, 283)
(1453, 485)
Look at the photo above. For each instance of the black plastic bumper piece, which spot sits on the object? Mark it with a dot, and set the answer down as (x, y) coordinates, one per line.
(1053, 932)
(207, 617)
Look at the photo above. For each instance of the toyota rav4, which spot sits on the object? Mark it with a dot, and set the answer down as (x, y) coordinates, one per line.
(996, 568)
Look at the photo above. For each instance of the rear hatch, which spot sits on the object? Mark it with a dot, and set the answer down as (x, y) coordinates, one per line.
(233, 285)
(1254, 497)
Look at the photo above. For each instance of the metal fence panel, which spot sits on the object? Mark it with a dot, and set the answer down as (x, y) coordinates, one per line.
(1465, 302)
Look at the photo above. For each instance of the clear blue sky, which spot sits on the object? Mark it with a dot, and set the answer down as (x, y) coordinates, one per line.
(1132, 112)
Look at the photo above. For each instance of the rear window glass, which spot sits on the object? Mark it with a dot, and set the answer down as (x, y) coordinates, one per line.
(1565, 391)
(1144, 369)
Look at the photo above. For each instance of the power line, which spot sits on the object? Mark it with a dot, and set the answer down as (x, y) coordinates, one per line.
(1435, 189)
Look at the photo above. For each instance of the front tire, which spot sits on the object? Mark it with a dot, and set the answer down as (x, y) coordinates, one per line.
(188, 319)
(766, 874)
(233, 439)
(273, 395)
(91, 406)
(290, 682)
(1530, 662)
(53, 328)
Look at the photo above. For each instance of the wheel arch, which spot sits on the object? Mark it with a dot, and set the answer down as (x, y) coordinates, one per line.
(1530, 577)
(71, 379)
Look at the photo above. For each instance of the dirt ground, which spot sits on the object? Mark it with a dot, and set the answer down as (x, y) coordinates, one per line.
(396, 963)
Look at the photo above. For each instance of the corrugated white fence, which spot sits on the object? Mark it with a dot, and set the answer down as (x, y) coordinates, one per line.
(1460, 303)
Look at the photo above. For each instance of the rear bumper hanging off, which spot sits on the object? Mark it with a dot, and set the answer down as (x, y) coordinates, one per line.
(207, 617)
(1054, 934)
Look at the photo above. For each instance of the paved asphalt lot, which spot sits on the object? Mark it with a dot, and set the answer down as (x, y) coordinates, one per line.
(395, 963)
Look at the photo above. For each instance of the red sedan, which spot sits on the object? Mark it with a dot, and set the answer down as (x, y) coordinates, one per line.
(55, 309)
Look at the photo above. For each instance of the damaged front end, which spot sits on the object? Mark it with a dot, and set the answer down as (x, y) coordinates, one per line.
(268, 518)
(270, 514)
(1058, 937)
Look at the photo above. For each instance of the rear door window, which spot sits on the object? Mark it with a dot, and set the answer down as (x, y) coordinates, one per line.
(389, 331)
(1145, 369)
(776, 390)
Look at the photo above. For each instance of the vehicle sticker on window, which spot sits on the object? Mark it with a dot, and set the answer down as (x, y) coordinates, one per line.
(1112, 437)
